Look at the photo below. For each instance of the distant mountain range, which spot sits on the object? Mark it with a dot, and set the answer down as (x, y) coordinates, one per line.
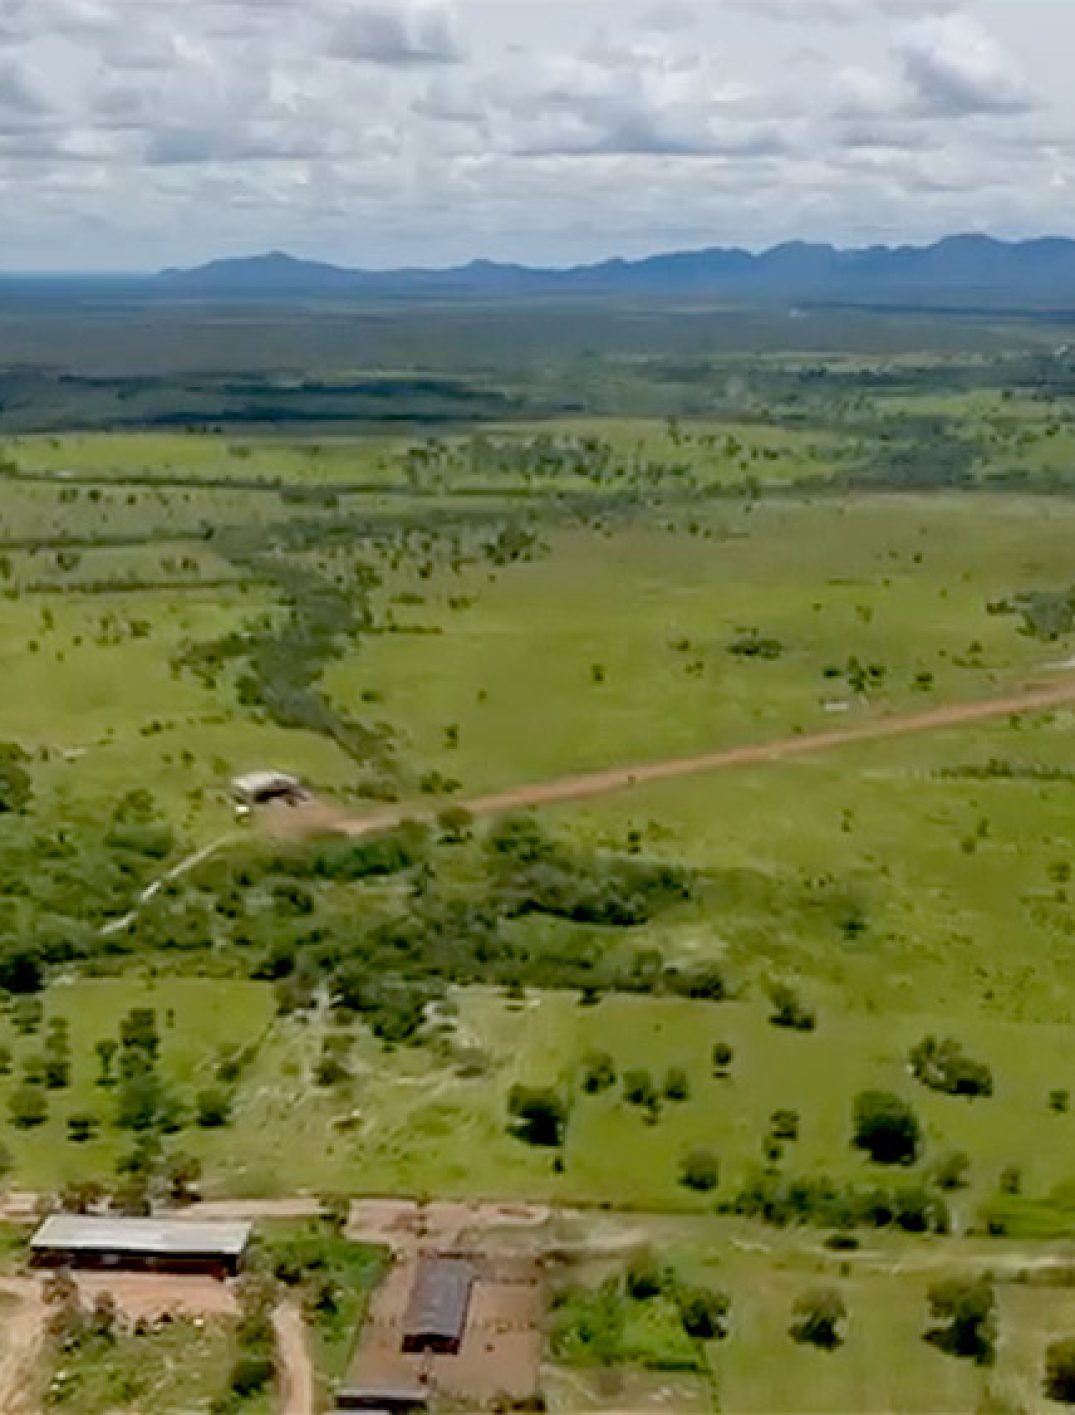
(963, 268)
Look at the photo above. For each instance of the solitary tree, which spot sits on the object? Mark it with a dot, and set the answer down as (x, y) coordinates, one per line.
(699, 1170)
(886, 1128)
(966, 1306)
(538, 1115)
(704, 1313)
(819, 1316)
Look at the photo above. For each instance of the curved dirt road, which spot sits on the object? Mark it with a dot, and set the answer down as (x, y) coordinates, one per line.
(603, 783)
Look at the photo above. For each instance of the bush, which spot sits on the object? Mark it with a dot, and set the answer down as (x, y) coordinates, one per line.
(638, 1088)
(538, 1115)
(250, 1374)
(967, 1306)
(598, 1072)
(699, 1170)
(943, 1066)
(886, 1128)
(676, 1084)
(723, 1056)
(1060, 1371)
(704, 1313)
(784, 1125)
(644, 1277)
(789, 1010)
(212, 1108)
(27, 1107)
(951, 1171)
(818, 1318)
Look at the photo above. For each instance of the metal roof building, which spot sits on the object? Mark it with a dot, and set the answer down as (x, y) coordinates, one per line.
(436, 1318)
(259, 787)
(74, 1240)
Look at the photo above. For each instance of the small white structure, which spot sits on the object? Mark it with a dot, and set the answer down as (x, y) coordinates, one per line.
(260, 788)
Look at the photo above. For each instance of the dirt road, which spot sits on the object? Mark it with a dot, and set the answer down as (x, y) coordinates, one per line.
(297, 1390)
(23, 1336)
(583, 787)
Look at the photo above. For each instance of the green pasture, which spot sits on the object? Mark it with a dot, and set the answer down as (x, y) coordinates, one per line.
(173, 456)
(434, 1121)
(90, 690)
(176, 1370)
(903, 582)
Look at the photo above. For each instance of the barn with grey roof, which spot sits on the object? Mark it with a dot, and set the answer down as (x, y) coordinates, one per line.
(436, 1318)
(147, 1244)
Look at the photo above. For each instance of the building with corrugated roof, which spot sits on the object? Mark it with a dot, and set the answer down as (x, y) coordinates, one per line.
(146, 1244)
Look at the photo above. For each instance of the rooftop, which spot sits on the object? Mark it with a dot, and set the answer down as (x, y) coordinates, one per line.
(439, 1298)
(166, 1237)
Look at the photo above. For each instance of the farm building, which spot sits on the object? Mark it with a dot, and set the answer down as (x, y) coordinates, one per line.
(386, 1400)
(260, 788)
(143, 1244)
(436, 1319)
(464, 1329)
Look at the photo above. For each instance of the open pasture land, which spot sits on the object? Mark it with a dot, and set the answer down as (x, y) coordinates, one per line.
(672, 635)
(435, 1120)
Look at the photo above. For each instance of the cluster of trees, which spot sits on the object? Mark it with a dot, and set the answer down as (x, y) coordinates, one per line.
(594, 1325)
(944, 1066)
(820, 1201)
(1046, 614)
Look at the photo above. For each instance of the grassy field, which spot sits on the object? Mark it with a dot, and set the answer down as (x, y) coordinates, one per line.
(498, 618)
(422, 1122)
(901, 583)
(883, 1362)
(177, 1370)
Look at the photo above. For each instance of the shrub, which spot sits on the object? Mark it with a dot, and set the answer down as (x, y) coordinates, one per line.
(699, 1170)
(644, 1277)
(598, 1072)
(951, 1170)
(704, 1313)
(1060, 1371)
(784, 1124)
(722, 1058)
(538, 1115)
(676, 1084)
(818, 1318)
(212, 1108)
(81, 1127)
(967, 1306)
(638, 1088)
(943, 1066)
(27, 1107)
(789, 1010)
(250, 1374)
(886, 1128)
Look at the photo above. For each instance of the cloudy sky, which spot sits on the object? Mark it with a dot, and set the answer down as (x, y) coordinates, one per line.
(137, 133)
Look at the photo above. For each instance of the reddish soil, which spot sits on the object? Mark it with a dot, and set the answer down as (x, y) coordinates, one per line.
(318, 817)
(501, 1351)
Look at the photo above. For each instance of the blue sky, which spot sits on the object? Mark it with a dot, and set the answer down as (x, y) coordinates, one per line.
(139, 133)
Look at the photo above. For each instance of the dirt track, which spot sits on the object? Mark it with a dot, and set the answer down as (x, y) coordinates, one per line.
(297, 1388)
(319, 816)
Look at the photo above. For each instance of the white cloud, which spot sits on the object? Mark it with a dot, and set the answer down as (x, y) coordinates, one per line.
(374, 131)
(955, 67)
(397, 32)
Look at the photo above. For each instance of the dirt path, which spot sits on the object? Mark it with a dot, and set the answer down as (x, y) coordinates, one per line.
(23, 1335)
(297, 1388)
(603, 783)
(184, 867)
